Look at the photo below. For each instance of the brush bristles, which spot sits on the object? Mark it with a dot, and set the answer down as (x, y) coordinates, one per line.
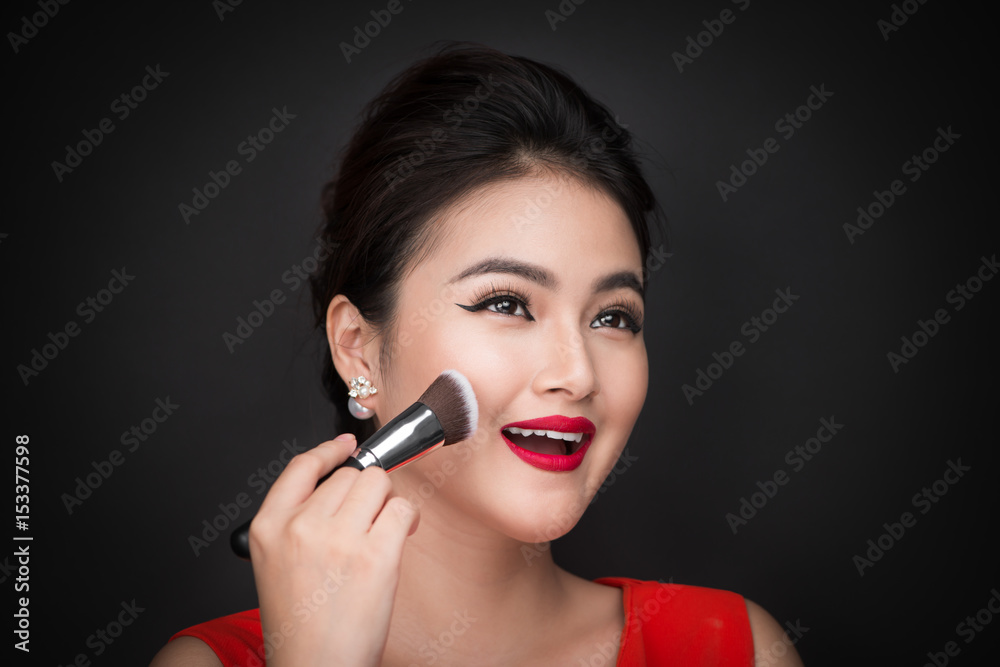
(451, 398)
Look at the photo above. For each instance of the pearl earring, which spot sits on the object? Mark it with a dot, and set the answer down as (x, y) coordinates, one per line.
(363, 388)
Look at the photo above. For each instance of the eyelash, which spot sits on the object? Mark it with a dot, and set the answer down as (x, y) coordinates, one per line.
(491, 295)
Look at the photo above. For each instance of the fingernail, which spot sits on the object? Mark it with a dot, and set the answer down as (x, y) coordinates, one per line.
(344, 436)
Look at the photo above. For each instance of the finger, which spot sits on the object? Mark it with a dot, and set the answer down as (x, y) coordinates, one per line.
(397, 521)
(298, 480)
(329, 496)
(403, 511)
(364, 501)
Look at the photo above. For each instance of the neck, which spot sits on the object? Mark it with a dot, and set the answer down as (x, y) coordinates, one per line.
(474, 590)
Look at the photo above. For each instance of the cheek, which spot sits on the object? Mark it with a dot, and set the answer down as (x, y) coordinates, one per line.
(429, 342)
(624, 376)
(634, 394)
(490, 362)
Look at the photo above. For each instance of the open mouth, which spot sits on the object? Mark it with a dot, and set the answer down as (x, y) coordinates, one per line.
(554, 443)
(549, 443)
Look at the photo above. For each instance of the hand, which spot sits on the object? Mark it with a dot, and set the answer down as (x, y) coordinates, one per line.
(326, 561)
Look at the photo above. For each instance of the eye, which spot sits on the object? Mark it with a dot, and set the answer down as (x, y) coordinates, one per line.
(609, 319)
(504, 301)
(623, 314)
(505, 305)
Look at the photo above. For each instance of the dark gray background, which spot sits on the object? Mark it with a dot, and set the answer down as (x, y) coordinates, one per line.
(664, 518)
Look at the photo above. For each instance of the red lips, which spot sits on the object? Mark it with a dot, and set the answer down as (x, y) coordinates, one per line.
(554, 463)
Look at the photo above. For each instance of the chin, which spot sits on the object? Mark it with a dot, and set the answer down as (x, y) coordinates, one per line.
(541, 518)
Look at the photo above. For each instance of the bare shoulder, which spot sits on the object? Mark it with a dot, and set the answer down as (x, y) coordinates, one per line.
(186, 652)
(771, 645)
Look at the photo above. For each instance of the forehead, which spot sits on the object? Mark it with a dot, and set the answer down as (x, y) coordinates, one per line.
(548, 219)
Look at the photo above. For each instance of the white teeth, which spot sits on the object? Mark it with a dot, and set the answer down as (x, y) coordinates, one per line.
(555, 435)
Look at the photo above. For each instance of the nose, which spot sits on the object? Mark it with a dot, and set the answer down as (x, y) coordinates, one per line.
(566, 365)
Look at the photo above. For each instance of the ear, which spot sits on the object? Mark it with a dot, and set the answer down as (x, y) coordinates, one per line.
(352, 344)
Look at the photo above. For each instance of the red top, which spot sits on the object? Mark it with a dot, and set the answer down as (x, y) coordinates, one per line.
(665, 624)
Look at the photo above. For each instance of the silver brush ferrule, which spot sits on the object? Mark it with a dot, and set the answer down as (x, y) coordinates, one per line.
(409, 435)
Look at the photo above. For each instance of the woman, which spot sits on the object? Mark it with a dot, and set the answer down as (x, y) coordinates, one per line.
(490, 217)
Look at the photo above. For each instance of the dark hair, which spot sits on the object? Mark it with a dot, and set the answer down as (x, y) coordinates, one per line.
(464, 117)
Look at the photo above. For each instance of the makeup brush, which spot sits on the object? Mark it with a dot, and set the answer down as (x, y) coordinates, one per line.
(445, 414)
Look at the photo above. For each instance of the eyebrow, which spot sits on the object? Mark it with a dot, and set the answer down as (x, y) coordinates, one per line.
(543, 277)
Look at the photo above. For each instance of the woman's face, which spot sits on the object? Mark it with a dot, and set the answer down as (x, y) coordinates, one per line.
(531, 290)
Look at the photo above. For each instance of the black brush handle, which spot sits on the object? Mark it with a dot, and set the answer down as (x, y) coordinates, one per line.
(239, 540)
